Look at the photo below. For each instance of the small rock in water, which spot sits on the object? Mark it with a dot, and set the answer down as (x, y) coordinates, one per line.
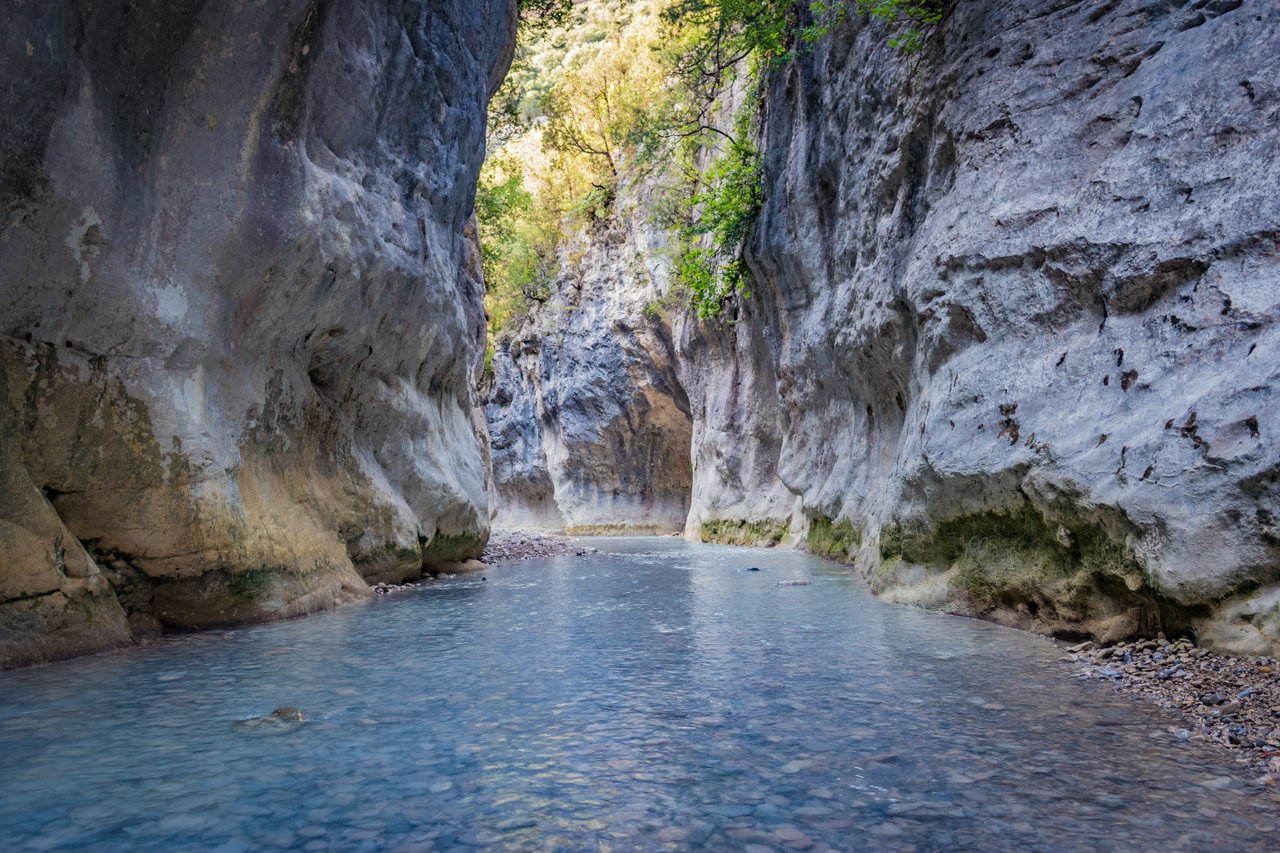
(280, 719)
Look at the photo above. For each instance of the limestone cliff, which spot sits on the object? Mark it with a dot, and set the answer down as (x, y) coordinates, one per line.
(1011, 346)
(240, 319)
(589, 421)
(1022, 310)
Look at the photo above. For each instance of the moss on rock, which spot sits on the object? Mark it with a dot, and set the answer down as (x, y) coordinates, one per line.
(453, 547)
(1017, 567)
(766, 532)
(255, 584)
(835, 540)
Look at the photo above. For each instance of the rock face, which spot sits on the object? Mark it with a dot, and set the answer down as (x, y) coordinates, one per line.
(739, 428)
(240, 319)
(589, 422)
(1011, 347)
(1022, 310)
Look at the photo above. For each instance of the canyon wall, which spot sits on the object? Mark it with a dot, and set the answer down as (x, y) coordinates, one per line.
(240, 308)
(589, 422)
(1011, 343)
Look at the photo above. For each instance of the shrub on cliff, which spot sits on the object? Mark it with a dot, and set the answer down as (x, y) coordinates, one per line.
(611, 92)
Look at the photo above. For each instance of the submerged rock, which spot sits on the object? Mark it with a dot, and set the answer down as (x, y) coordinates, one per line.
(281, 719)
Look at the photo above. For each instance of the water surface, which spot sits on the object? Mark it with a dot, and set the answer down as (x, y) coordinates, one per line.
(658, 695)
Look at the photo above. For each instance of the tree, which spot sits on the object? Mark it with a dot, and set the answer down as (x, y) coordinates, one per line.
(598, 113)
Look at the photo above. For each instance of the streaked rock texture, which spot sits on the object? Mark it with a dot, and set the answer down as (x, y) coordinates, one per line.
(240, 318)
(590, 424)
(739, 426)
(1022, 309)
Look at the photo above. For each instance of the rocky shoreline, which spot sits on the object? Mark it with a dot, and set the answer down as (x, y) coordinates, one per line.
(1230, 702)
(504, 546)
(509, 546)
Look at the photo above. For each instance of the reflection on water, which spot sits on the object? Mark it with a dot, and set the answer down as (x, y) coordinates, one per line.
(659, 695)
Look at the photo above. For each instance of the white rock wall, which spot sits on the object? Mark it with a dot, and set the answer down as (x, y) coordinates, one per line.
(239, 318)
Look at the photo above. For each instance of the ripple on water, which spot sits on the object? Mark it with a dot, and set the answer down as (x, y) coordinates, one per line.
(656, 696)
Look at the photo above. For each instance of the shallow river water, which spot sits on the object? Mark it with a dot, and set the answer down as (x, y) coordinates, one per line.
(656, 695)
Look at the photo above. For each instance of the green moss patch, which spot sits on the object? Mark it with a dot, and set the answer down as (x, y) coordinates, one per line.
(765, 532)
(255, 584)
(835, 540)
(453, 547)
(1074, 573)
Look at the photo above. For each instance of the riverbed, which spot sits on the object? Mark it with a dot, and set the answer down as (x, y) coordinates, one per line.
(656, 694)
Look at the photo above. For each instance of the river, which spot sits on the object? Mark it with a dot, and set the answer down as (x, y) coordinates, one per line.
(656, 694)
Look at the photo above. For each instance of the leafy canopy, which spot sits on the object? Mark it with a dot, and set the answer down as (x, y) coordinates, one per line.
(607, 92)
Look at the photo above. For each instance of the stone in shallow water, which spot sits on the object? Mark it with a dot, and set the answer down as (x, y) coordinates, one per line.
(279, 720)
(729, 810)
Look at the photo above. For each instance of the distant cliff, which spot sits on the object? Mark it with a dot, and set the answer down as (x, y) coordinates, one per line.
(589, 421)
(1011, 343)
(240, 313)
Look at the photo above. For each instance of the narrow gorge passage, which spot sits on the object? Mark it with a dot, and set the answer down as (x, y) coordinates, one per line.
(477, 331)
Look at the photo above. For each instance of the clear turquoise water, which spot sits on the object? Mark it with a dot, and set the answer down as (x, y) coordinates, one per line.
(658, 694)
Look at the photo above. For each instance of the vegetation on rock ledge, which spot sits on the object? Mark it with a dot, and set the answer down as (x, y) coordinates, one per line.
(609, 93)
(765, 532)
(1073, 572)
(835, 540)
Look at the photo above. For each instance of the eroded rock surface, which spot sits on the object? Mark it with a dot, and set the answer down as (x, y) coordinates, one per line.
(589, 422)
(239, 317)
(1022, 309)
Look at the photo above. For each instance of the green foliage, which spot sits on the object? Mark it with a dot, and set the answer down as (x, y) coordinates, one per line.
(766, 532)
(708, 42)
(710, 38)
(519, 241)
(836, 540)
(541, 15)
(711, 218)
(607, 93)
(902, 540)
(733, 195)
(913, 18)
